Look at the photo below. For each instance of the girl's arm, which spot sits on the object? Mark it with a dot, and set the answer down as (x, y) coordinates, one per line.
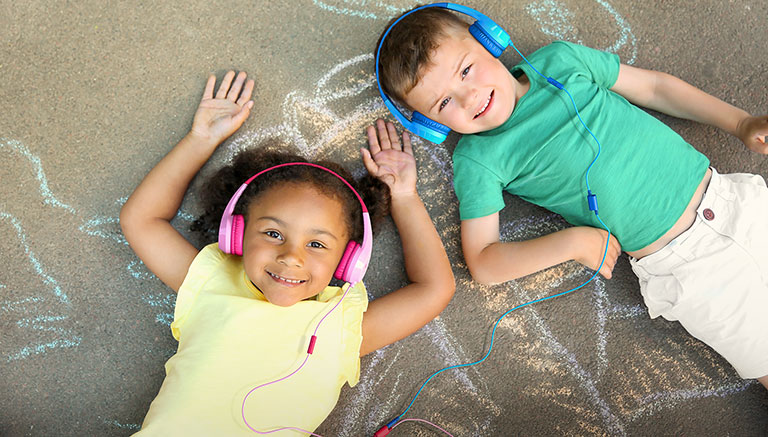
(145, 217)
(400, 313)
(673, 96)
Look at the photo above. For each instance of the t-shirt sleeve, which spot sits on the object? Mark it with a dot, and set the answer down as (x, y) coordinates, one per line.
(478, 189)
(199, 272)
(601, 67)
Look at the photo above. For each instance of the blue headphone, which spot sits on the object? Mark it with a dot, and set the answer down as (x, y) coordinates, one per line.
(485, 31)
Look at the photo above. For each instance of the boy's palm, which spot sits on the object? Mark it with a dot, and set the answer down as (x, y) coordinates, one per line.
(219, 116)
(388, 160)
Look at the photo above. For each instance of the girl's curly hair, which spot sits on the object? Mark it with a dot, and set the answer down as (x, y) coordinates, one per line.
(221, 186)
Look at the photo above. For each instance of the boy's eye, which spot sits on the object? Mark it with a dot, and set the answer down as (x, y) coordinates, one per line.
(465, 71)
(273, 234)
(444, 102)
(316, 245)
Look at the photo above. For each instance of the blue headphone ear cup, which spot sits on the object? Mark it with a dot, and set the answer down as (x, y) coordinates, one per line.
(426, 123)
(486, 40)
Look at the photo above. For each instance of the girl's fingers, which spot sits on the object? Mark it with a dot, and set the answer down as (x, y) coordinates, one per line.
(225, 84)
(407, 143)
(368, 162)
(234, 91)
(373, 140)
(393, 136)
(245, 96)
(209, 86)
(383, 135)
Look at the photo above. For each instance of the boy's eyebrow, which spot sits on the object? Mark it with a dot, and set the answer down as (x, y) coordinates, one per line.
(455, 70)
(314, 231)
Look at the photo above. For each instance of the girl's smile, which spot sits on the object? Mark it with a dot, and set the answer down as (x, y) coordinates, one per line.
(294, 239)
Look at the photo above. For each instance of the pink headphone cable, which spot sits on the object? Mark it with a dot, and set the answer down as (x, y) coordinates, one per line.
(310, 349)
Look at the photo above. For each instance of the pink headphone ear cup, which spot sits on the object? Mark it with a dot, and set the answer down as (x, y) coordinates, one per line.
(342, 271)
(238, 228)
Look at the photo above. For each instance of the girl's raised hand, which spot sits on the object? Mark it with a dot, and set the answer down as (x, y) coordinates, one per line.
(219, 116)
(388, 160)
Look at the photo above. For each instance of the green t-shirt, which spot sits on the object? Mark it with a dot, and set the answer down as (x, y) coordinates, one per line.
(644, 178)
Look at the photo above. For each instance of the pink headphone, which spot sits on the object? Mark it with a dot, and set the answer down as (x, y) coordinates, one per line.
(353, 263)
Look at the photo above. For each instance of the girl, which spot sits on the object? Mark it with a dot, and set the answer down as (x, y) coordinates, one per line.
(249, 322)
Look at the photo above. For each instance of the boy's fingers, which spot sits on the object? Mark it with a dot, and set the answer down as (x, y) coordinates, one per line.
(245, 96)
(373, 140)
(393, 136)
(225, 84)
(208, 91)
(407, 143)
(383, 135)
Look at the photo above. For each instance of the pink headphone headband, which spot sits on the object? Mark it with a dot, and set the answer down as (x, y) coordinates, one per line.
(353, 263)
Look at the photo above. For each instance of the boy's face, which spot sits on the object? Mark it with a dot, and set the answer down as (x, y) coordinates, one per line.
(465, 87)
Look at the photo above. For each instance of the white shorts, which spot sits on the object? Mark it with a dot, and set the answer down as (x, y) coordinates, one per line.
(713, 277)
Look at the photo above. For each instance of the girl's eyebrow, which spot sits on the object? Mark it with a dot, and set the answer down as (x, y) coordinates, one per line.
(313, 231)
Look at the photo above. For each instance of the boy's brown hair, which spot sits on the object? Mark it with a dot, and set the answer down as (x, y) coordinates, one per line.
(409, 47)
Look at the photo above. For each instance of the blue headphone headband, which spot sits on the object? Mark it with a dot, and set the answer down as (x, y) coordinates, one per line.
(489, 34)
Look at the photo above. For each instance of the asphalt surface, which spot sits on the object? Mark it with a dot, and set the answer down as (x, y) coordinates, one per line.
(94, 94)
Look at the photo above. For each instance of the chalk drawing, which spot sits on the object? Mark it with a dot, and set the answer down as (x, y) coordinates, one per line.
(555, 20)
(368, 9)
(130, 426)
(45, 328)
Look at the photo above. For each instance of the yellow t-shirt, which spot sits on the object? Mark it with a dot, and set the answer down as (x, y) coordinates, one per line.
(231, 339)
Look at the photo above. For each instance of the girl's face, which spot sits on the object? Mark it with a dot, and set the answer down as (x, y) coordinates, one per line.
(294, 239)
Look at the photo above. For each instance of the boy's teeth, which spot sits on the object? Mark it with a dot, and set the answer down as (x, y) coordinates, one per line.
(484, 106)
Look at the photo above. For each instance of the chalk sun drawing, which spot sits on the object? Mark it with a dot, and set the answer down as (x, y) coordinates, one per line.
(555, 19)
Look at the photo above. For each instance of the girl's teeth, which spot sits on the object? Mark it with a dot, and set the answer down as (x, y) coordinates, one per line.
(290, 281)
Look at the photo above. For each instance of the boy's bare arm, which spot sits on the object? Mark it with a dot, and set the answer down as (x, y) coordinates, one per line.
(491, 261)
(668, 94)
(145, 217)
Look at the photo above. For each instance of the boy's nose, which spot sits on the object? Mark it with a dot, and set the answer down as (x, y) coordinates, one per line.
(468, 98)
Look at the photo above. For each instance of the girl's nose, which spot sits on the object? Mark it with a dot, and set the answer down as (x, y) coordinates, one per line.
(290, 255)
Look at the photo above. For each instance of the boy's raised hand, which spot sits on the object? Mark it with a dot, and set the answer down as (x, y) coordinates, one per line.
(388, 161)
(219, 116)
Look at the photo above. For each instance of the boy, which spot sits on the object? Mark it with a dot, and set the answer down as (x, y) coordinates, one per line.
(695, 237)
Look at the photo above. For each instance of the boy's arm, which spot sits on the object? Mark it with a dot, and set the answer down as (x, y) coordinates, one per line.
(400, 313)
(673, 96)
(145, 217)
(491, 261)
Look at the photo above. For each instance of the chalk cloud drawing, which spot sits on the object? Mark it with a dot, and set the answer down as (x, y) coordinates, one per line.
(555, 19)
(370, 9)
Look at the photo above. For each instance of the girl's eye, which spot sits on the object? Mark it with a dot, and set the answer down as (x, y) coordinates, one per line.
(273, 234)
(316, 245)
(444, 102)
(465, 71)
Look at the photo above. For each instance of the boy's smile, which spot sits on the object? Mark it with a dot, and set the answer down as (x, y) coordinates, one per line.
(294, 239)
(465, 87)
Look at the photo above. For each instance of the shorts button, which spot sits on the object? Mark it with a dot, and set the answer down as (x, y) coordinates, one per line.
(709, 214)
